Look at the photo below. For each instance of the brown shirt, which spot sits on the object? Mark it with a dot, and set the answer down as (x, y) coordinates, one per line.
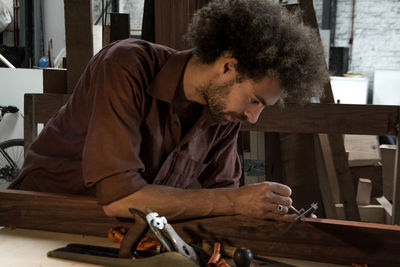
(120, 131)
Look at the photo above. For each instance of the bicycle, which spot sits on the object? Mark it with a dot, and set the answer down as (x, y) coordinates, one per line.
(11, 154)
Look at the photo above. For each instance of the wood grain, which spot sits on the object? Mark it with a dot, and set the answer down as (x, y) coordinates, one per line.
(396, 180)
(78, 38)
(172, 18)
(52, 212)
(38, 108)
(324, 240)
(328, 118)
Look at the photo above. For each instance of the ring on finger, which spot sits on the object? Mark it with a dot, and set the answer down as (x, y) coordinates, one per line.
(280, 208)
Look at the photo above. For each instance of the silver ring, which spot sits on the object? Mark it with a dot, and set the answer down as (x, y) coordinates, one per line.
(280, 208)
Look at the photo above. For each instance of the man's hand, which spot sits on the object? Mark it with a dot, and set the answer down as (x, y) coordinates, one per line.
(262, 201)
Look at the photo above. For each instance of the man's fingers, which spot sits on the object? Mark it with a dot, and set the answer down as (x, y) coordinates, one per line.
(278, 199)
(280, 189)
(275, 208)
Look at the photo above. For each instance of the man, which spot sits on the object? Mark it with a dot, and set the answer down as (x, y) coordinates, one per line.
(145, 121)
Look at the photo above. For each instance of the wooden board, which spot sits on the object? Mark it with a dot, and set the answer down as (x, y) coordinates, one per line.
(52, 212)
(328, 118)
(38, 108)
(54, 81)
(172, 18)
(396, 180)
(120, 26)
(78, 38)
(322, 240)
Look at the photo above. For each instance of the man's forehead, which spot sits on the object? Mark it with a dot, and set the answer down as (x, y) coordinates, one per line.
(268, 90)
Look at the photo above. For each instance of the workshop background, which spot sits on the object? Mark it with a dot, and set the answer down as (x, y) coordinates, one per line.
(316, 149)
(360, 39)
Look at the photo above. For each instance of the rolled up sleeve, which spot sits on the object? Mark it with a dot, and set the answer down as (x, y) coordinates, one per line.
(110, 158)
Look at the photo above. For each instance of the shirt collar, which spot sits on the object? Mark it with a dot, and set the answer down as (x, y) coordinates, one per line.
(166, 82)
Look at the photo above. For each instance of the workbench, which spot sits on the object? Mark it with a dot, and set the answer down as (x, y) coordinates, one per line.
(22, 247)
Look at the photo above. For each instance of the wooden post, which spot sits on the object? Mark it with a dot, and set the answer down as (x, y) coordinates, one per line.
(336, 141)
(396, 180)
(78, 38)
(120, 27)
(325, 184)
(172, 18)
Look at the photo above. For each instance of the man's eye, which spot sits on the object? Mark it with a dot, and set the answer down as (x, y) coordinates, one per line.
(255, 102)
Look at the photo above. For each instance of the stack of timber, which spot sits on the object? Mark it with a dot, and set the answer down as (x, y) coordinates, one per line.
(324, 240)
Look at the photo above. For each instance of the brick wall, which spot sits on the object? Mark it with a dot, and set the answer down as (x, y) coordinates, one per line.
(376, 33)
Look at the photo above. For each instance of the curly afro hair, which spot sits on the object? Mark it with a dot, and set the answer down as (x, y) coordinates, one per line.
(266, 40)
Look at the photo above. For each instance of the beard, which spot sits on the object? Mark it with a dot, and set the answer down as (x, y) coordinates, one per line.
(215, 96)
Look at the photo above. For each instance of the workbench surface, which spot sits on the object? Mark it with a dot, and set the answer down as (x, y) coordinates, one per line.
(22, 247)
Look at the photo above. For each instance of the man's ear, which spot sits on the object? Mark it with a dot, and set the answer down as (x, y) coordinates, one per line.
(229, 64)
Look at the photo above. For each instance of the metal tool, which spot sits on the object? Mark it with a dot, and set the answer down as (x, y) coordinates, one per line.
(168, 237)
(294, 210)
(307, 213)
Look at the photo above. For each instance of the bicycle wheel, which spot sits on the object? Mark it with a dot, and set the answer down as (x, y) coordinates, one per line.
(11, 160)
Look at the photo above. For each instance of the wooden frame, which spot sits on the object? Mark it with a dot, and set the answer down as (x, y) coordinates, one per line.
(38, 108)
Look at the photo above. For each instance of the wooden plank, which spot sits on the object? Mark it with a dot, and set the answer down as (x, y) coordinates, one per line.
(396, 181)
(328, 118)
(388, 208)
(330, 167)
(120, 27)
(78, 38)
(388, 153)
(53, 212)
(373, 173)
(324, 180)
(45, 105)
(273, 162)
(344, 176)
(363, 149)
(300, 172)
(322, 240)
(364, 191)
(55, 81)
(38, 108)
(368, 213)
(172, 18)
(30, 128)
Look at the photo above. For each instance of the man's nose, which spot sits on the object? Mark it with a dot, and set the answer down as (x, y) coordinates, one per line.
(253, 113)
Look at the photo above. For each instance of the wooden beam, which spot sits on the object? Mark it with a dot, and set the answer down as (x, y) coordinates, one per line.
(120, 27)
(300, 170)
(54, 81)
(388, 208)
(325, 183)
(335, 140)
(53, 212)
(172, 18)
(328, 118)
(396, 180)
(364, 190)
(324, 240)
(345, 179)
(78, 38)
(38, 108)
